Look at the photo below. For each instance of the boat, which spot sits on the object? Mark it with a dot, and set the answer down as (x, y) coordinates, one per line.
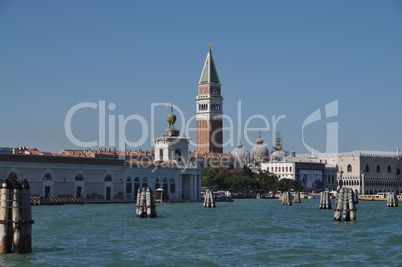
(378, 196)
(222, 196)
(304, 195)
(224, 199)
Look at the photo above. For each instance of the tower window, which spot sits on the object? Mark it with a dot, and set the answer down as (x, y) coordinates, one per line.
(349, 169)
(178, 155)
(202, 107)
(367, 168)
(215, 107)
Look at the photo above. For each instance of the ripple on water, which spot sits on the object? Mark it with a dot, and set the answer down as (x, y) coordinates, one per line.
(244, 232)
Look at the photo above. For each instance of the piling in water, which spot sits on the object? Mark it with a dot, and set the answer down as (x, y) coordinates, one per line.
(356, 197)
(209, 201)
(325, 200)
(6, 226)
(296, 198)
(145, 207)
(286, 198)
(345, 208)
(392, 200)
(15, 217)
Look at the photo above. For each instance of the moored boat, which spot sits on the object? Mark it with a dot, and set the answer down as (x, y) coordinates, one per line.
(378, 196)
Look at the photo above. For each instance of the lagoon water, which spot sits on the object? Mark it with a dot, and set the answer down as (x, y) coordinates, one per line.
(242, 233)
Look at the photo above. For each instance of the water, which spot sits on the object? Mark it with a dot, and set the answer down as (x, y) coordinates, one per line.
(241, 233)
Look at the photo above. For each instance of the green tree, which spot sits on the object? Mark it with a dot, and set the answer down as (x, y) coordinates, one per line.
(286, 185)
(245, 178)
(266, 180)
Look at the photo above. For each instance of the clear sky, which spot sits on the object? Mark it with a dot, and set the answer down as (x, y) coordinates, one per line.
(277, 58)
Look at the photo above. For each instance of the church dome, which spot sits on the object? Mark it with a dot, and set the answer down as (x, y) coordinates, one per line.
(241, 153)
(278, 155)
(259, 153)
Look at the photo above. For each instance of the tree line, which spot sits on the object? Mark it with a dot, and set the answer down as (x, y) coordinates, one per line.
(229, 178)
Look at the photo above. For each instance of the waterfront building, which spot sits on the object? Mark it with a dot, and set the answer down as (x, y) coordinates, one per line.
(368, 172)
(209, 109)
(108, 177)
(172, 146)
(313, 176)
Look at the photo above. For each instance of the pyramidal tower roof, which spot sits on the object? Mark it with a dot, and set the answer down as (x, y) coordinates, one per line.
(209, 73)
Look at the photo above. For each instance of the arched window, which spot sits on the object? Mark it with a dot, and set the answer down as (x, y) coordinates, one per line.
(108, 178)
(157, 183)
(378, 168)
(165, 185)
(367, 168)
(79, 177)
(172, 186)
(144, 182)
(128, 185)
(349, 168)
(389, 169)
(398, 171)
(47, 176)
(136, 186)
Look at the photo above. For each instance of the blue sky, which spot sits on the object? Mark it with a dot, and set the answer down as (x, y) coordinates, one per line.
(275, 57)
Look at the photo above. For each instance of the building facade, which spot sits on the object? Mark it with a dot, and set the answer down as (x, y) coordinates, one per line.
(368, 172)
(106, 177)
(313, 176)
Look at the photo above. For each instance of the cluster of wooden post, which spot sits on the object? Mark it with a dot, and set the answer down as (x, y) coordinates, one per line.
(392, 200)
(286, 198)
(296, 198)
(209, 201)
(145, 203)
(15, 217)
(345, 208)
(325, 200)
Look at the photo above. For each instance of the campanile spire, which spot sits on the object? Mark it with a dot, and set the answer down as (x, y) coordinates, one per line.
(209, 103)
(209, 73)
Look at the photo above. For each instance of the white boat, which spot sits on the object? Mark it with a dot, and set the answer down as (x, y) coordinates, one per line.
(378, 196)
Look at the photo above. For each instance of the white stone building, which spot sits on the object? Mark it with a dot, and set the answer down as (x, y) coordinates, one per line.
(112, 179)
(368, 172)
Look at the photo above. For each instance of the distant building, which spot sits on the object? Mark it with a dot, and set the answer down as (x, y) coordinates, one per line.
(313, 176)
(209, 102)
(102, 176)
(368, 172)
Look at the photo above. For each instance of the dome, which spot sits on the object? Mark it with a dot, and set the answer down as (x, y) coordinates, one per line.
(241, 153)
(278, 155)
(259, 152)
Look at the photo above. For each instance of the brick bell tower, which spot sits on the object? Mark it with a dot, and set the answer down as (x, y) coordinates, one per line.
(209, 109)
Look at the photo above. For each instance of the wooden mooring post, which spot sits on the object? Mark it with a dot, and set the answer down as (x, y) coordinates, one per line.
(286, 198)
(296, 198)
(145, 207)
(209, 201)
(392, 200)
(345, 208)
(325, 200)
(15, 217)
(6, 226)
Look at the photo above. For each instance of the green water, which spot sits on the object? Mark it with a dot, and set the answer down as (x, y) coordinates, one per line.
(241, 233)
